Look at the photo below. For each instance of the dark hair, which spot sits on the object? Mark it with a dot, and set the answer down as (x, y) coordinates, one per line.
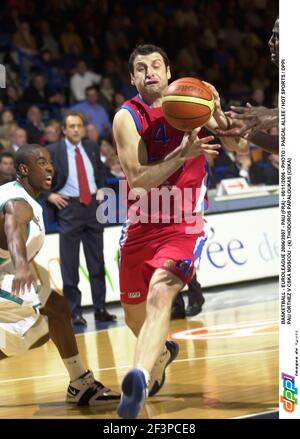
(74, 113)
(147, 49)
(24, 153)
(6, 154)
(91, 87)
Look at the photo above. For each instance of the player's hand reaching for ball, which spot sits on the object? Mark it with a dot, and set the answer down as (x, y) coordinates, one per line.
(192, 146)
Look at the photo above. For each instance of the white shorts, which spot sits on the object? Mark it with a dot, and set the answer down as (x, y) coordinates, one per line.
(21, 324)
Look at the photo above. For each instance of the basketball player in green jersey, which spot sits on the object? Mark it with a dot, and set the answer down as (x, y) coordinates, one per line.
(29, 313)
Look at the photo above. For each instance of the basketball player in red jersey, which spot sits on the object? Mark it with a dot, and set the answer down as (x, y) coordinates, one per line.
(158, 253)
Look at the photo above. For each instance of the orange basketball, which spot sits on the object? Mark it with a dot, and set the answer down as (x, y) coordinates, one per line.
(188, 103)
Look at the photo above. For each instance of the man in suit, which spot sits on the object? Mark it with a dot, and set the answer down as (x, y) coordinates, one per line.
(76, 192)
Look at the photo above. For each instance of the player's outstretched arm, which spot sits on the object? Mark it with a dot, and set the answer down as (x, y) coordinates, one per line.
(133, 156)
(220, 121)
(246, 121)
(18, 214)
(267, 142)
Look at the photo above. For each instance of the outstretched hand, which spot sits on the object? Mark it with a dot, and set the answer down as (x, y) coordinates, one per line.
(192, 146)
(246, 121)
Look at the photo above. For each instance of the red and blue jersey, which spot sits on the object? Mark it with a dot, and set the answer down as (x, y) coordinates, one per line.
(161, 139)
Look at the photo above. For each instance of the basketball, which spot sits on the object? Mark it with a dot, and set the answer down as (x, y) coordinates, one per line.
(188, 103)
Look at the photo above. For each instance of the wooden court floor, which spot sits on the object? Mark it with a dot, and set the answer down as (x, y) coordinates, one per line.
(227, 367)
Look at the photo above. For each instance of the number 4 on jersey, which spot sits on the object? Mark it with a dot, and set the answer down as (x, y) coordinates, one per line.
(160, 134)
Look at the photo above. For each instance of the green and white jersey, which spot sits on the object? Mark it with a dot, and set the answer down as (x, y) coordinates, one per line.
(36, 230)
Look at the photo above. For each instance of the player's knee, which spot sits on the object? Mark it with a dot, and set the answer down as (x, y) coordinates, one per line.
(57, 306)
(159, 297)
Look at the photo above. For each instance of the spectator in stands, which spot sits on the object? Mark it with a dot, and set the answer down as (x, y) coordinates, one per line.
(266, 171)
(7, 117)
(12, 98)
(52, 132)
(113, 163)
(38, 93)
(118, 101)
(46, 41)
(34, 125)
(240, 167)
(18, 138)
(53, 74)
(92, 133)
(82, 79)
(106, 96)
(70, 37)
(111, 71)
(95, 113)
(24, 40)
(71, 59)
(105, 150)
(8, 123)
(260, 172)
(7, 167)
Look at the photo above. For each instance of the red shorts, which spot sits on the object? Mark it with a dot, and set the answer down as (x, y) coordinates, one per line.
(166, 247)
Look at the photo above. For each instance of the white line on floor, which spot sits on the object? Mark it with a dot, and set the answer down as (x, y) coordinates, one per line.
(212, 357)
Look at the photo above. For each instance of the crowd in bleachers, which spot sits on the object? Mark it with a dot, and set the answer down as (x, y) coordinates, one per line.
(73, 53)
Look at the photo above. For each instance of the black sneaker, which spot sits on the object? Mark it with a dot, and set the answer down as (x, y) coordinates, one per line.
(195, 308)
(177, 313)
(87, 391)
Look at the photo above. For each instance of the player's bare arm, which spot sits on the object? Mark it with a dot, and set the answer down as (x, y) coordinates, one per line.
(134, 159)
(220, 122)
(18, 214)
(268, 142)
(247, 121)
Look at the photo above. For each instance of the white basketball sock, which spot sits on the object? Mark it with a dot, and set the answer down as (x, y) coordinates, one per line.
(74, 367)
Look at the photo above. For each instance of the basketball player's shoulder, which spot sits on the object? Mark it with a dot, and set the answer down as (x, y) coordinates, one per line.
(11, 192)
(128, 118)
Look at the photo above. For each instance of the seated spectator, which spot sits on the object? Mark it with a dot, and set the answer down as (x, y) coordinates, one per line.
(52, 132)
(118, 101)
(8, 123)
(69, 37)
(34, 126)
(53, 74)
(111, 70)
(12, 98)
(95, 113)
(113, 163)
(106, 150)
(82, 79)
(18, 138)
(7, 117)
(106, 95)
(266, 171)
(260, 172)
(240, 167)
(24, 40)
(38, 93)
(92, 133)
(71, 59)
(7, 167)
(46, 41)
